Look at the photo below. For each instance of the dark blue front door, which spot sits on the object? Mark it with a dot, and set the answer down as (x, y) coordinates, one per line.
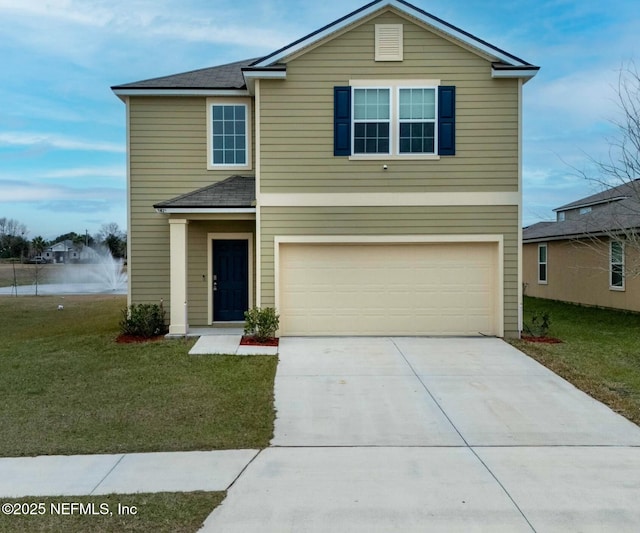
(230, 279)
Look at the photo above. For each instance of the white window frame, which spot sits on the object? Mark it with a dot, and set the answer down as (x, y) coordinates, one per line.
(544, 281)
(246, 102)
(613, 287)
(394, 87)
(389, 121)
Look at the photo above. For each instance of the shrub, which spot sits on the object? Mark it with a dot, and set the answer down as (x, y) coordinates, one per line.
(143, 320)
(261, 323)
(540, 323)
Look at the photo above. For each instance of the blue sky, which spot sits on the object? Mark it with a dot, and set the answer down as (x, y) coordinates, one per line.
(62, 130)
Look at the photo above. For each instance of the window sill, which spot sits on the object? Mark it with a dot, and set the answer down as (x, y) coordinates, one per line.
(390, 157)
(229, 167)
(617, 289)
(543, 282)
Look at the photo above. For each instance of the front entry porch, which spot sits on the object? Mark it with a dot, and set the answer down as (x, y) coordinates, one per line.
(212, 253)
(212, 274)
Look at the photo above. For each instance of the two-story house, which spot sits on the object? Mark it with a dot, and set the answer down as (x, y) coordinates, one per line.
(364, 180)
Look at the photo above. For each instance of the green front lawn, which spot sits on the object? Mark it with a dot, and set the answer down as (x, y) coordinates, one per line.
(600, 353)
(116, 513)
(68, 388)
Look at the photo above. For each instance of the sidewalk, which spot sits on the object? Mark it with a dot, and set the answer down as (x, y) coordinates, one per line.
(128, 473)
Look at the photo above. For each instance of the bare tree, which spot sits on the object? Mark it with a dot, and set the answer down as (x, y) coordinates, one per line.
(617, 217)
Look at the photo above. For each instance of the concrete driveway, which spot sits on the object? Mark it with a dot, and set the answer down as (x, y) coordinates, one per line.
(433, 434)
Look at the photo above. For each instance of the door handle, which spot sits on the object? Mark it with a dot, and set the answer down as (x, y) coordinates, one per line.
(215, 286)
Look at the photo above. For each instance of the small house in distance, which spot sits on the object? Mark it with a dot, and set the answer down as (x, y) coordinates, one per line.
(61, 252)
(68, 252)
(589, 255)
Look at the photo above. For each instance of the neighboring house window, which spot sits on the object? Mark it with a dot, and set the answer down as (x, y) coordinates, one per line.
(542, 263)
(561, 216)
(229, 134)
(616, 262)
(585, 210)
(413, 121)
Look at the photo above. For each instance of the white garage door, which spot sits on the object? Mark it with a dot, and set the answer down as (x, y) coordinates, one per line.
(388, 289)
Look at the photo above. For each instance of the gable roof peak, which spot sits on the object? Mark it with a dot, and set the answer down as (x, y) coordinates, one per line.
(498, 55)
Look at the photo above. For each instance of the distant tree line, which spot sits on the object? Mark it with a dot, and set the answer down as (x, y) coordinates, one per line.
(14, 243)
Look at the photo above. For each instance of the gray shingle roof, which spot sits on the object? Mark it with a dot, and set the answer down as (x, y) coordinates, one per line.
(227, 76)
(614, 216)
(235, 191)
(626, 189)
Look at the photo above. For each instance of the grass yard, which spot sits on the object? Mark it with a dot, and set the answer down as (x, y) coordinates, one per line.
(600, 353)
(26, 274)
(160, 513)
(67, 387)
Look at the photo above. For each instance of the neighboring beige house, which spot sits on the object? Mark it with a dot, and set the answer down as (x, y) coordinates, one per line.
(364, 180)
(590, 254)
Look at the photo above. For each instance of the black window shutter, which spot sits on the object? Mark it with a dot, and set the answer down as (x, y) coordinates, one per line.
(342, 120)
(446, 120)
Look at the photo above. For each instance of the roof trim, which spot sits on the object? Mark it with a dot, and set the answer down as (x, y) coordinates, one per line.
(571, 207)
(508, 71)
(251, 74)
(406, 8)
(575, 236)
(212, 210)
(180, 92)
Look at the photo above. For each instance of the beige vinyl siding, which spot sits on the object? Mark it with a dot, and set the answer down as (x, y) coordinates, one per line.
(474, 220)
(297, 118)
(168, 157)
(578, 272)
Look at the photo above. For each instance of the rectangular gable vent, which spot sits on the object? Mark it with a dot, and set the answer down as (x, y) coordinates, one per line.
(388, 42)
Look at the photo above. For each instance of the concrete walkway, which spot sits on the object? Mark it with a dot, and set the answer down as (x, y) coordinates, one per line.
(228, 345)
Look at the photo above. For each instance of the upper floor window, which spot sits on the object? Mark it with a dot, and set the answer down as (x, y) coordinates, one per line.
(371, 121)
(394, 122)
(229, 138)
(561, 216)
(404, 119)
(585, 210)
(616, 265)
(542, 263)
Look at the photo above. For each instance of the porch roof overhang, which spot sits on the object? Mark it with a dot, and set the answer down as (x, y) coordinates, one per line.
(233, 196)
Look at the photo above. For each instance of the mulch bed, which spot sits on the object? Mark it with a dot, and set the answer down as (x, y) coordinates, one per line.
(128, 339)
(543, 340)
(252, 341)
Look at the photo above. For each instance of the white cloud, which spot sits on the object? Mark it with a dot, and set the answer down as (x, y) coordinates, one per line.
(580, 98)
(17, 191)
(57, 141)
(81, 21)
(14, 191)
(118, 172)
